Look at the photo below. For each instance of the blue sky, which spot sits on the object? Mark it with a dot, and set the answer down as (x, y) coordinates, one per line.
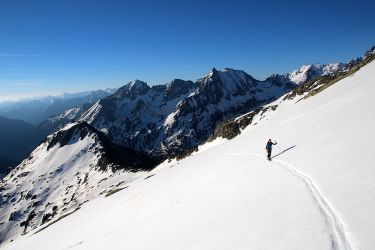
(50, 47)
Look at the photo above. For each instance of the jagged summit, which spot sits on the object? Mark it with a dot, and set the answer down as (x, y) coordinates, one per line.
(177, 83)
(227, 76)
(178, 87)
(307, 72)
(370, 52)
(132, 89)
(137, 85)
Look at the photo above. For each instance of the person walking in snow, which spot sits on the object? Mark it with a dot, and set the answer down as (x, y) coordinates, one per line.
(269, 148)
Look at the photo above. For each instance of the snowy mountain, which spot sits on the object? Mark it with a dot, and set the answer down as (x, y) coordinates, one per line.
(316, 192)
(69, 168)
(166, 96)
(36, 110)
(307, 72)
(160, 123)
(165, 120)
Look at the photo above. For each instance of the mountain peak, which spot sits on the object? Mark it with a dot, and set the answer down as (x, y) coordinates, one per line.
(212, 73)
(369, 52)
(310, 71)
(137, 85)
(178, 87)
(72, 131)
(229, 70)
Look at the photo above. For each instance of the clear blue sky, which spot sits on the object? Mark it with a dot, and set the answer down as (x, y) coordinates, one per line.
(49, 47)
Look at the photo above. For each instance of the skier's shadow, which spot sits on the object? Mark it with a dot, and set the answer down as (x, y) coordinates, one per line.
(282, 152)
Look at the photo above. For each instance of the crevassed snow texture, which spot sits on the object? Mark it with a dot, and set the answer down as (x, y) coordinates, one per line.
(319, 194)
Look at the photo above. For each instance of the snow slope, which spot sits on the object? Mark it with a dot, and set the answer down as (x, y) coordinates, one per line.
(318, 192)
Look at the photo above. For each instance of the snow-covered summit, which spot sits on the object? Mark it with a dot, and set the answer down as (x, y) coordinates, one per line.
(137, 85)
(307, 72)
(370, 52)
(228, 76)
(133, 88)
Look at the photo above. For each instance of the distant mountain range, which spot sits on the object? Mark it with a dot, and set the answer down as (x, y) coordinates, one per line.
(165, 120)
(37, 110)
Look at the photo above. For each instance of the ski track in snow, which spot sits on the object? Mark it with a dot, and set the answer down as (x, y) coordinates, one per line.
(339, 237)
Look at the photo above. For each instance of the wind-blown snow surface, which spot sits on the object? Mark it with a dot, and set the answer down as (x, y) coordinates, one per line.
(318, 192)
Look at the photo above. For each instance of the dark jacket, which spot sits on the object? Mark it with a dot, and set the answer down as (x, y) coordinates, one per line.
(269, 145)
